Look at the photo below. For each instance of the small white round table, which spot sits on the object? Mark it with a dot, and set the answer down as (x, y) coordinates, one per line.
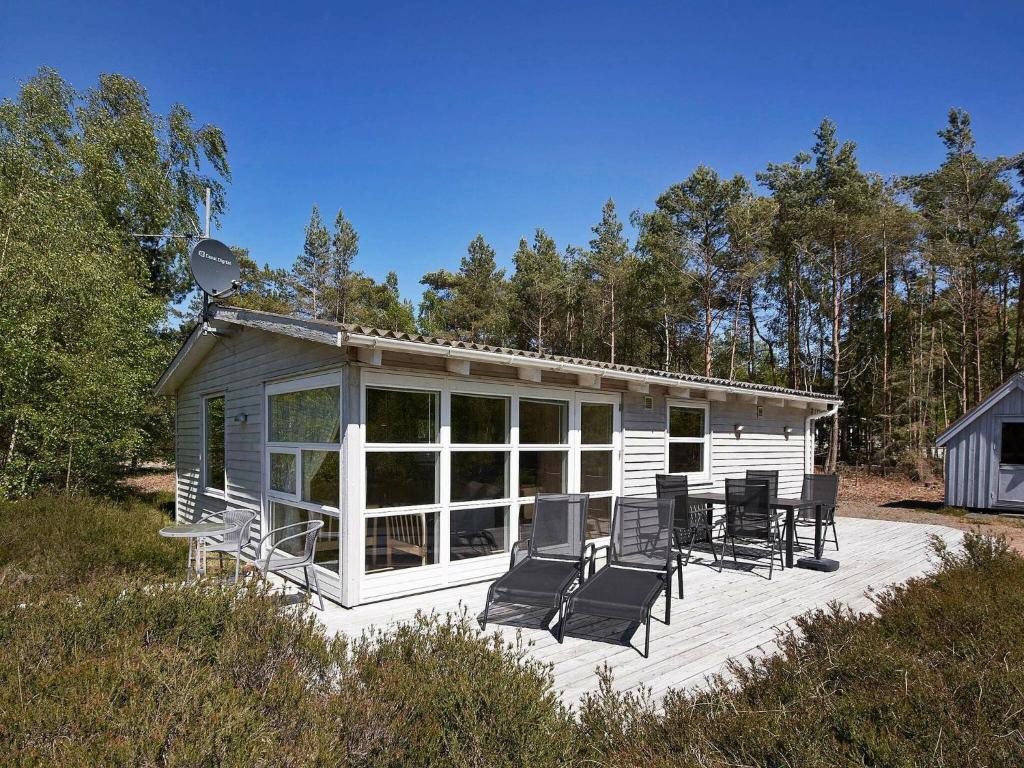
(197, 532)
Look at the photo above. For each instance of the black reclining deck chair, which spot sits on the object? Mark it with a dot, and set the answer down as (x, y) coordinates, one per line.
(638, 569)
(555, 560)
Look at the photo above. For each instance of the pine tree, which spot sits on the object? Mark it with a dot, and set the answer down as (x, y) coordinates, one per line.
(610, 265)
(313, 267)
(344, 248)
(537, 290)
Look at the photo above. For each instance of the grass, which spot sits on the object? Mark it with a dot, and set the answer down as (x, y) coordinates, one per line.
(108, 659)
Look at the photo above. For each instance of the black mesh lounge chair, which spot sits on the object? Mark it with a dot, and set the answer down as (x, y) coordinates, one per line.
(771, 476)
(690, 522)
(749, 517)
(555, 559)
(638, 569)
(823, 489)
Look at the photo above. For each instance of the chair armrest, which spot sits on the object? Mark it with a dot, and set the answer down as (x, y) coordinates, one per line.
(588, 558)
(513, 550)
(277, 546)
(593, 557)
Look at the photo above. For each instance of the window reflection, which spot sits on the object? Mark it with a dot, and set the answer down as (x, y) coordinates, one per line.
(478, 531)
(400, 541)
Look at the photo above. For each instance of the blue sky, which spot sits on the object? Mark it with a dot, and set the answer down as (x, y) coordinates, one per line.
(432, 122)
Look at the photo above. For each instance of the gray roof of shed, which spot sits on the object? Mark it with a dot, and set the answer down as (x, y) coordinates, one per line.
(272, 322)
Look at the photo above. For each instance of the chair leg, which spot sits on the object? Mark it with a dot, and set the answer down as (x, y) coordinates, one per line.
(835, 534)
(487, 608)
(668, 599)
(689, 550)
(679, 571)
(721, 560)
(733, 540)
(319, 592)
(238, 560)
(647, 638)
(564, 612)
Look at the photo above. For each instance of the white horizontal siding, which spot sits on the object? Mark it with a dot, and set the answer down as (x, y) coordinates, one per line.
(761, 445)
(238, 365)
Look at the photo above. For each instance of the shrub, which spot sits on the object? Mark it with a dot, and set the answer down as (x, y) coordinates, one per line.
(103, 668)
(60, 541)
(935, 678)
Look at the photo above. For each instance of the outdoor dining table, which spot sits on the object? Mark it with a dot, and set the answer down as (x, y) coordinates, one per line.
(197, 532)
(787, 505)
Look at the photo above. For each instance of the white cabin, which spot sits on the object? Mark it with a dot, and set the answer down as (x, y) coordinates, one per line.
(422, 455)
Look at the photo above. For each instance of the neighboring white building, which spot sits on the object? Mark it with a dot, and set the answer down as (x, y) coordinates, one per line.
(984, 451)
(423, 455)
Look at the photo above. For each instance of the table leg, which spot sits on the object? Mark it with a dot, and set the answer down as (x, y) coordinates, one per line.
(188, 563)
(790, 530)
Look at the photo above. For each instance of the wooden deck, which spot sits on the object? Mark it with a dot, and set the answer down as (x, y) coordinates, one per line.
(732, 614)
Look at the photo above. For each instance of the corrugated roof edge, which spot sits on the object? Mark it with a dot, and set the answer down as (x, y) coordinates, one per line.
(229, 313)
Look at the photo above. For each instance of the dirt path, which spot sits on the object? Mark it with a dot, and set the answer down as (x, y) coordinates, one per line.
(897, 498)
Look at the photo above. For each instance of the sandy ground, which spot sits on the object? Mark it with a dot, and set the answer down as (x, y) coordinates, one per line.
(860, 495)
(897, 498)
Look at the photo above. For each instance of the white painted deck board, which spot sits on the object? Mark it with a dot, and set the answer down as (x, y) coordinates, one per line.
(729, 615)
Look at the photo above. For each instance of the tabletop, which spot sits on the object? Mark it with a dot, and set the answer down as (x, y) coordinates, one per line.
(780, 502)
(197, 530)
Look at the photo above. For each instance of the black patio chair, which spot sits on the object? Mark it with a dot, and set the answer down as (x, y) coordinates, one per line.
(750, 518)
(638, 567)
(823, 489)
(690, 522)
(771, 476)
(555, 559)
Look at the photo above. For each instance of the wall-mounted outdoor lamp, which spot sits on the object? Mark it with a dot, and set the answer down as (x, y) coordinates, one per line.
(738, 429)
(241, 418)
(787, 430)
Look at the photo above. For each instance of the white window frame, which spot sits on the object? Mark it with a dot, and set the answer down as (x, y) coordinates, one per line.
(215, 493)
(445, 570)
(705, 406)
(315, 381)
(615, 447)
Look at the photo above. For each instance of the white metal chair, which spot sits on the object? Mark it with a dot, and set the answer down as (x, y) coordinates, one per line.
(231, 542)
(295, 555)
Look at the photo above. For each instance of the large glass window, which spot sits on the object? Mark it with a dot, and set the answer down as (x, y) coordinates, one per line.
(687, 440)
(401, 479)
(328, 543)
(401, 416)
(303, 460)
(406, 540)
(403, 463)
(479, 419)
(543, 422)
(477, 531)
(305, 416)
(443, 476)
(213, 449)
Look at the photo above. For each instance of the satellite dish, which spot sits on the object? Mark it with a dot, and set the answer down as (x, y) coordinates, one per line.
(214, 267)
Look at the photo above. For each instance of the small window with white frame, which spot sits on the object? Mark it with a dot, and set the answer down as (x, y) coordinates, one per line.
(213, 459)
(688, 440)
(303, 477)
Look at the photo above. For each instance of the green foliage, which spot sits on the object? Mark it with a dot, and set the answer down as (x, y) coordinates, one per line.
(82, 299)
(935, 678)
(108, 661)
(468, 304)
(56, 543)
